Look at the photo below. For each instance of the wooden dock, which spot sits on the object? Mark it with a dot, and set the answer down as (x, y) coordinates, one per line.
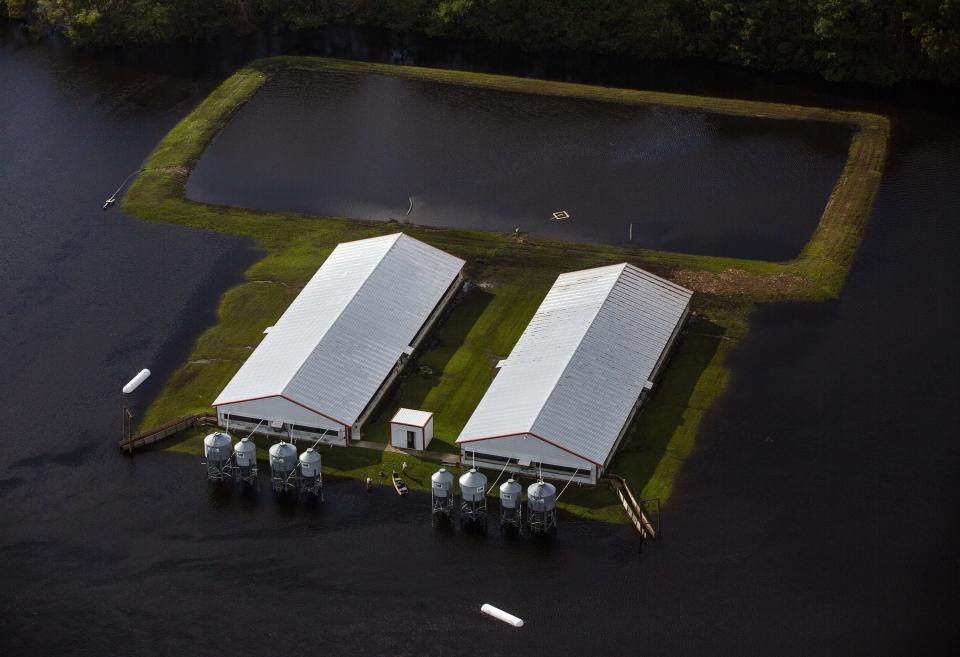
(639, 516)
(163, 431)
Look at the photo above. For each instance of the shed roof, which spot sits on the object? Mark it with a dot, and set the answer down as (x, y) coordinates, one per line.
(411, 417)
(337, 342)
(573, 377)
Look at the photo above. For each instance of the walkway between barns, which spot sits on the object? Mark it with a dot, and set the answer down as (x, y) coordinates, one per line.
(440, 457)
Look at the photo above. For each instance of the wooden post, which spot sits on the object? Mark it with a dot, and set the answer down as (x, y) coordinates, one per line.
(128, 428)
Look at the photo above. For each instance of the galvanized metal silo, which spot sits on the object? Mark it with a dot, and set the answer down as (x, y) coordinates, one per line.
(311, 479)
(217, 456)
(283, 467)
(441, 494)
(245, 461)
(473, 499)
(511, 513)
(542, 508)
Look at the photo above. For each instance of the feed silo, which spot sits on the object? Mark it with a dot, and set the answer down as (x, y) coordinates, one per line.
(473, 499)
(283, 467)
(245, 462)
(542, 508)
(311, 479)
(217, 455)
(511, 514)
(441, 494)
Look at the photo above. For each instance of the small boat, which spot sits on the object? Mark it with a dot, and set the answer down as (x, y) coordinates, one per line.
(399, 484)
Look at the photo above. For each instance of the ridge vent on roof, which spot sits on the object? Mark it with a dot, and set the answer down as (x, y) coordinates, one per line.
(396, 240)
(573, 352)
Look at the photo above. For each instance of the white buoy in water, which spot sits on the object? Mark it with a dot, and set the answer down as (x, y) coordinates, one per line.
(135, 382)
(501, 615)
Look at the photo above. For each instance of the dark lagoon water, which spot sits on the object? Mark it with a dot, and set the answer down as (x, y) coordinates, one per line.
(376, 147)
(817, 515)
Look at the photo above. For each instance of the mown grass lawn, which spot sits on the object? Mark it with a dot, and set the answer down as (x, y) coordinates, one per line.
(511, 277)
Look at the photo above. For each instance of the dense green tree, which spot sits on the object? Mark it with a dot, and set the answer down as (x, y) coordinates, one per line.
(937, 32)
(17, 9)
(874, 40)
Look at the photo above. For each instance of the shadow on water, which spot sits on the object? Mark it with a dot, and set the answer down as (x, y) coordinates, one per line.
(220, 495)
(816, 136)
(261, 496)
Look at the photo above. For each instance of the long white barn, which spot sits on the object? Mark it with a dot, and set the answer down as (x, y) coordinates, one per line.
(564, 398)
(322, 368)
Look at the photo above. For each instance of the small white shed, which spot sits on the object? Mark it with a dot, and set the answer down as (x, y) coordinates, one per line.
(411, 429)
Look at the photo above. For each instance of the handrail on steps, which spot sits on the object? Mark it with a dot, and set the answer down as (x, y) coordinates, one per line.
(636, 511)
(167, 429)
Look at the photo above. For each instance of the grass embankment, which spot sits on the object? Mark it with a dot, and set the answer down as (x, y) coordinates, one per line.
(458, 364)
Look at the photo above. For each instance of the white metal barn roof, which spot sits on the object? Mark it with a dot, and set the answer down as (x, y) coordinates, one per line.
(342, 335)
(576, 372)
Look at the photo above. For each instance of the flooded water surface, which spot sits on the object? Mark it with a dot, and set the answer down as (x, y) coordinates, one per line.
(379, 147)
(817, 514)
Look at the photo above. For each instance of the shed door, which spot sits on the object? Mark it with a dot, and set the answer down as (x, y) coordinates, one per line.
(411, 440)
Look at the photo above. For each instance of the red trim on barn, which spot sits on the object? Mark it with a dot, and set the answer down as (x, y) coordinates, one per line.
(241, 401)
(282, 396)
(530, 433)
(332, 419)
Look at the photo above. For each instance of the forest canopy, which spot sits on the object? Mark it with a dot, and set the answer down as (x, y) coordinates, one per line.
(877, 41)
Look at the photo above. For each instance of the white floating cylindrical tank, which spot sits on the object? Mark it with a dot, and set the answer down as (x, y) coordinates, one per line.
(501, 615)
(510, 494)
(442, 483)
(135, 382)
(473, 486)
(283, 463)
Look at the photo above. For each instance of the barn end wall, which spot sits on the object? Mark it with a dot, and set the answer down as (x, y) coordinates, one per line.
(279, 408)
(556, 463)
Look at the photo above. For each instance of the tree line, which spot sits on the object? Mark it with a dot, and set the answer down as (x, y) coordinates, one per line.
(877, 41)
